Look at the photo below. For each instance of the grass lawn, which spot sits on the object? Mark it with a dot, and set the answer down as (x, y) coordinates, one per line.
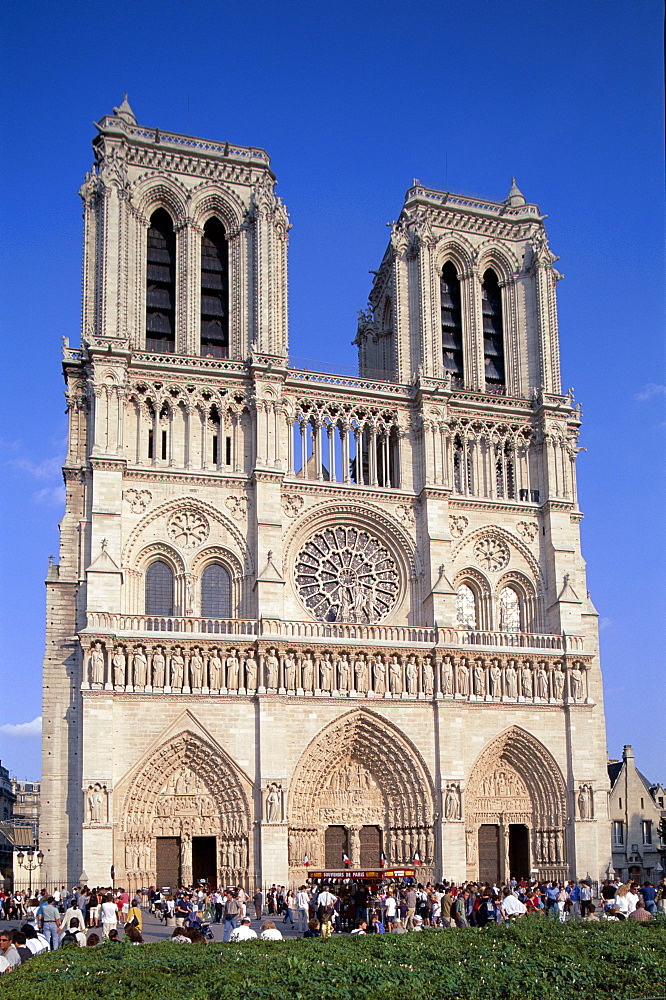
(534, 958)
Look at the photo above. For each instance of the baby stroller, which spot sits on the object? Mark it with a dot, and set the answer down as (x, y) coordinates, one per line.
(201, 926)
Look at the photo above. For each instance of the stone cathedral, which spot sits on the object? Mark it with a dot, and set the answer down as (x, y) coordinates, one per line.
(297, 614)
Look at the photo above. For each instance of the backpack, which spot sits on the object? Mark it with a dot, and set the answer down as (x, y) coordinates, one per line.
(68, 938)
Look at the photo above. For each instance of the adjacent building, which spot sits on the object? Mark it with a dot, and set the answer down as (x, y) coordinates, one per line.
(637, 809)
(301, 614)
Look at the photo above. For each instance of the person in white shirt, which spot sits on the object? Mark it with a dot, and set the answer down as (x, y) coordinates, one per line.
(244, 932)
(303, 908)
(390, 907)
(35, 941)
(511, 906)
(73, 913)
(109, 916)
(269, 932)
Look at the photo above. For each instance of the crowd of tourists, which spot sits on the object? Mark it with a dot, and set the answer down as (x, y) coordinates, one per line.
(84, 917)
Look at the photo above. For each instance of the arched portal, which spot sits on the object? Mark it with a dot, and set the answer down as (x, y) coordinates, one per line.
(185, 811)
(515, 811)
(360, 786)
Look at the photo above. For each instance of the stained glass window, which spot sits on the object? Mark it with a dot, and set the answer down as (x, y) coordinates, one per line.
(509, 610)
(159, 589)
(215, 592)
(465, 607)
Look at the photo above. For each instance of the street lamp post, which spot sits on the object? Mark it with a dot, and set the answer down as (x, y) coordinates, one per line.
(30, 865)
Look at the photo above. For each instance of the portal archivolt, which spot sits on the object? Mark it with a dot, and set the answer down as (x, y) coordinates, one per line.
(515, 810)
(186, 790)
(362, 787)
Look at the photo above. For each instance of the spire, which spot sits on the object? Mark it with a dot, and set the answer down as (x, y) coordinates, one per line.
(515, 196)
(125, 112)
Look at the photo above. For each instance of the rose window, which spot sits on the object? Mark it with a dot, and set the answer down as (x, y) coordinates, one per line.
(346, 575)
(188, 529)
(492, 554)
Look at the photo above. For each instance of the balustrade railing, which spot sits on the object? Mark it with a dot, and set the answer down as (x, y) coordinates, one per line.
(278, 629)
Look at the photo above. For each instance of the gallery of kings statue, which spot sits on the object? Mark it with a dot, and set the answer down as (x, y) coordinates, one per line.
(297, 614)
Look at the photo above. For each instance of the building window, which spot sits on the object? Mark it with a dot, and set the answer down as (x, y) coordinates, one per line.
(452, 339)
(214, 291)
(618, 832)
(509, 610)
(465, 607)
(161, 284)
(647, 832)
(159, 589)
(493, 331)
(215, 592)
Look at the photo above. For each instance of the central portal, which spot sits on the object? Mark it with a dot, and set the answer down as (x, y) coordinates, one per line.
(204, 859)
(519, 851)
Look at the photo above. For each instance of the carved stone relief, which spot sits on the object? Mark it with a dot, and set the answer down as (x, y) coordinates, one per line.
(97, 804)
(188, 529)
(457, 525)
(528, 530)
(138, 500)
(491, 553)
(291, 505)
(237, 506)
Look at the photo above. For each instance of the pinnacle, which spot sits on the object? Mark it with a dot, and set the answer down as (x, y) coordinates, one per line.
(125, 112)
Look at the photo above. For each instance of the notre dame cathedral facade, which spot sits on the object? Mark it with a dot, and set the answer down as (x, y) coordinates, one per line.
(297, 613)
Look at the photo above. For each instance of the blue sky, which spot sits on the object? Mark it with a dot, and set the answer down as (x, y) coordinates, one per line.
(352, 101)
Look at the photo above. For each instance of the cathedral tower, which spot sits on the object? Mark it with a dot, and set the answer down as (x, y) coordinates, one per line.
(296, 613)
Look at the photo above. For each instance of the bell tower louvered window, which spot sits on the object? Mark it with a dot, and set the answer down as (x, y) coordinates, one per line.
(215, 592)
(493, 330)
(452, 339)
(161, 284)
(214, 291)
(159, 589)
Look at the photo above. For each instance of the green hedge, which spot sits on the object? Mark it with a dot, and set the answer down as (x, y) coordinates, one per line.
(531, 959)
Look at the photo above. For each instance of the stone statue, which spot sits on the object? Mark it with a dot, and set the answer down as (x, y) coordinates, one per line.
(379, 675)
(526, 674)
(479, 679)
(495, 679)
(447, 676)
(463, 679)
(118, 664)
(344, 673)
(428, 677)
(273, 799)
(272, 665)
(452, 803)
(325, 673)
(96, 802)
(411, 674)
(233, 667)
(542, 682)
(159, 668)
(585, 802)
(576, 683)
(511, 681)
(177, 668)
(360, 675)
(196, 669)
(395, 675)
(307, 672)
(97, 664)
(289, 664)
(558, 684)
(250, 671)
(214, 670)
(140, 664)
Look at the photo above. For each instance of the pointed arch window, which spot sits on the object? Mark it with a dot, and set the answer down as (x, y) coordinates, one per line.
(452, 338)
(159, 589)
(214, 291)
(493, 331)
(509, 610)
(215, 592)
(161, 284)
(466, 607)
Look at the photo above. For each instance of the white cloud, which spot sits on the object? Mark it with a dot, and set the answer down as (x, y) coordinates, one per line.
(650, 390)
(50, 495)
(22, 730)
